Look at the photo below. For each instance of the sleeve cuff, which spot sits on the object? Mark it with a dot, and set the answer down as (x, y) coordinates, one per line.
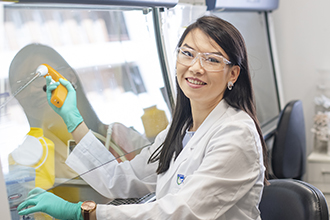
(88, 154)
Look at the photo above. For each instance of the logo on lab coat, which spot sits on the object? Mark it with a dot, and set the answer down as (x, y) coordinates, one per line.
(180, 179)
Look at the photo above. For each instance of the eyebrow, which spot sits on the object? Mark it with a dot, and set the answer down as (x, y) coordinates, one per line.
(217, 52)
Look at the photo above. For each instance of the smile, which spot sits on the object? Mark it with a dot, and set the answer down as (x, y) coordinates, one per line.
(196, 82)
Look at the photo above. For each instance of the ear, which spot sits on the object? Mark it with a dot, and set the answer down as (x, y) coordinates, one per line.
(234, 73)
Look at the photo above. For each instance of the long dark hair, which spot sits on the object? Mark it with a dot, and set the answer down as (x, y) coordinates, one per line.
(240, 97)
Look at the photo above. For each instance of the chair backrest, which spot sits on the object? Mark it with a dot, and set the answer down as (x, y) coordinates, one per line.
(288, 155)
(289, 199)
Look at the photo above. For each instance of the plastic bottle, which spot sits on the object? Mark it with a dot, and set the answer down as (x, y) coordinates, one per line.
(38, 152)
(154, 121)
(35, 153)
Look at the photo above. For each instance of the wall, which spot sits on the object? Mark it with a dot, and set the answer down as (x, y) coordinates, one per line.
(302, 42)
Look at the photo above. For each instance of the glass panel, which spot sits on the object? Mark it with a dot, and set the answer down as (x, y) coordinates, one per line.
(253, 27)
(109, 54)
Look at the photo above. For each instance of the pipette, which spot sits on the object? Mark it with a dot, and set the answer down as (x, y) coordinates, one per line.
(58, 95)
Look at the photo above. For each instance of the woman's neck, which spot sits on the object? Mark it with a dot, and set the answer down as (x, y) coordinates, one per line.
(199, 113)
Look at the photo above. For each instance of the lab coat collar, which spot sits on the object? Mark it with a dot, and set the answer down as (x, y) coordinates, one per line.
(213, 117)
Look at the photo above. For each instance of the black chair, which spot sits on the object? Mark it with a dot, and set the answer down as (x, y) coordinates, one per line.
(289, 199)
(288, 153)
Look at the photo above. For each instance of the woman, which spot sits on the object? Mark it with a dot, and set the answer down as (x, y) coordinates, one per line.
(208, 164)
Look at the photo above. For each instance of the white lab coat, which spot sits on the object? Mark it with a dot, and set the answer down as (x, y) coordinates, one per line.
(221, 167)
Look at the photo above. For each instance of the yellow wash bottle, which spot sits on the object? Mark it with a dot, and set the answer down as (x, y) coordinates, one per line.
(154, 121)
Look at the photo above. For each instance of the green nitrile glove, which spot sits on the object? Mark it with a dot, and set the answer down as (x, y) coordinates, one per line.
(69, 111)
(43, 201)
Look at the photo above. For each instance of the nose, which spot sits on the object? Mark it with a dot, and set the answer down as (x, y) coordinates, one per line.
(197, 66)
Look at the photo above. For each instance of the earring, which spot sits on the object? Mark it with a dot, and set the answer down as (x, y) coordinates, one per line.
(230, 85)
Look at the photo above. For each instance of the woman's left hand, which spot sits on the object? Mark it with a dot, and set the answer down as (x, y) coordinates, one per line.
(43, 201)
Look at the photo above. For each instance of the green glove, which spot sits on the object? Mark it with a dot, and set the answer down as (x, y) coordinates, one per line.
(69, 111)
(43, 201)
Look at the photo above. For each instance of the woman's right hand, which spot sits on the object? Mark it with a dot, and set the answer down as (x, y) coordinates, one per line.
(69, 111)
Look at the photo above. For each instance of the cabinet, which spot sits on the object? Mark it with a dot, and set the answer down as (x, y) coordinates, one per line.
(318, 172)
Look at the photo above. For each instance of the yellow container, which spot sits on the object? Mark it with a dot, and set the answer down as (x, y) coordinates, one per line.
(45, 169)
(154, 121)
(38, 152)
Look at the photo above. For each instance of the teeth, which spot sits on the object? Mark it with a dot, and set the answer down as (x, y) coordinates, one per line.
(195, 82)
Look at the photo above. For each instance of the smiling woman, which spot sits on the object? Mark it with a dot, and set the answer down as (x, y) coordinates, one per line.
(208, 164)
(211, 79)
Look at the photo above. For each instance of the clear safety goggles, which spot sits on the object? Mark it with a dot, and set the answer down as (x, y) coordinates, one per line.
(209, 61)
